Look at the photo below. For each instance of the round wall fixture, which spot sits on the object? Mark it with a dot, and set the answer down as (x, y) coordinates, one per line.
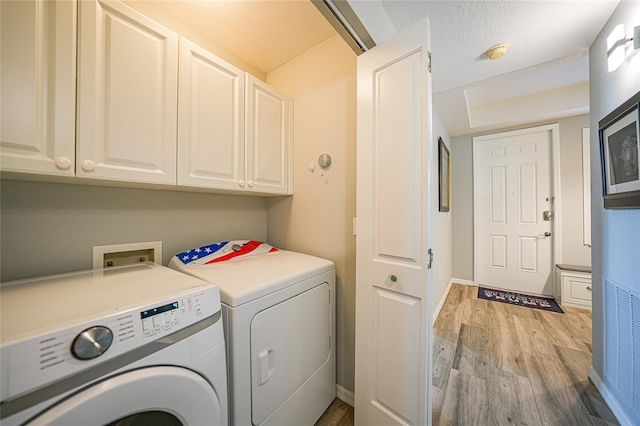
(324, 161)
(497, 51)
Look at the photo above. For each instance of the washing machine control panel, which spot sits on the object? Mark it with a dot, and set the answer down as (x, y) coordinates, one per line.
(68, 351)
(169, 316)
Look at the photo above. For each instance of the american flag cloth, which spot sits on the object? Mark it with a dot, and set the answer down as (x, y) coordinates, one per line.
(219, 252)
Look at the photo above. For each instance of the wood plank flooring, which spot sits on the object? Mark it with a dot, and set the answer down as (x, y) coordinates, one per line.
(339, 413)
(499, 364)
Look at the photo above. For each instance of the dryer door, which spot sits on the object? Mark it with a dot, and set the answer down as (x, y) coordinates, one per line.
(154, 395)
(290, 341)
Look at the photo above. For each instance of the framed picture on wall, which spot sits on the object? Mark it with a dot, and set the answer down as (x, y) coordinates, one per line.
(620, 151)
(444, 164)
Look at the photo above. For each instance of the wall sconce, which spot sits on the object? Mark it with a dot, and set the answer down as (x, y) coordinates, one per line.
(621, 47)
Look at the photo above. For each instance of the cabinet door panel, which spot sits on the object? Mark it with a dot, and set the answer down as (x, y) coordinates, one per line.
(127, 103)
(210, 120)
(268, 139)
(37, 92)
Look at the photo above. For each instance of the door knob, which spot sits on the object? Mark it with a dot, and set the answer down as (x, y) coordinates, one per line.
(547, 234)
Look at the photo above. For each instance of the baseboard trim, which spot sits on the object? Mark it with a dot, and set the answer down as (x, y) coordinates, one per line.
(345, 395)
(608, 397)
(436, 312)
(461, 281)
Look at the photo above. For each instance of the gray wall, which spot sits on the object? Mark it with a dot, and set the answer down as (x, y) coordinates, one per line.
(615, 233)
(573, 250)
(50, 228)
(442, 222)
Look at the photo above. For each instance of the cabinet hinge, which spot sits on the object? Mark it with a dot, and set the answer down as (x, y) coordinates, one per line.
(429, 63)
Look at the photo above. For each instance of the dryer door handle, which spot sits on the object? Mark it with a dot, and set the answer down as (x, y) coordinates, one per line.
(266, 365)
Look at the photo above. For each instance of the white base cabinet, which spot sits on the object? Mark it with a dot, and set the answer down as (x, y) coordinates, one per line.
(574, 286)
(38, 87)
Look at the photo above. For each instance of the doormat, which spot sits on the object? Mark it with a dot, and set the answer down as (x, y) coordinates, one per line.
(536, 302)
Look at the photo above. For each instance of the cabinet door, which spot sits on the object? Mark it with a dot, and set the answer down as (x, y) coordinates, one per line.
(127, 95)
(37, 91)
(268, 136)
(210, 120)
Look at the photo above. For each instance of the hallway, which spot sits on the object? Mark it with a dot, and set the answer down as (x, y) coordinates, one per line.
(500, 364)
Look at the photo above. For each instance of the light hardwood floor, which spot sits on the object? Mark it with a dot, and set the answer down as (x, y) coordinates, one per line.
(498, 364)
(339, 413)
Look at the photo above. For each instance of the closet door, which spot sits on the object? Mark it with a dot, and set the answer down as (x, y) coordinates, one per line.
(393, 282)
(268, 136)
(127, 95)
(210, 120)
(38, 88)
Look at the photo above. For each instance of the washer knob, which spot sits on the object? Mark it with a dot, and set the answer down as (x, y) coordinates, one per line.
(92, 342)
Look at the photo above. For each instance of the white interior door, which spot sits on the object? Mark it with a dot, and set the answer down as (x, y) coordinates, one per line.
(513, 187)
(393, 307)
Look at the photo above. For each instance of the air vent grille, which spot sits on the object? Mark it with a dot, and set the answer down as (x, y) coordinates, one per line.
(611, 334)
(635, 338)
(622, 345)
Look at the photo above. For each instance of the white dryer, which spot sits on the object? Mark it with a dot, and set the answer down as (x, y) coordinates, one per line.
(141, 344)
(279, 316)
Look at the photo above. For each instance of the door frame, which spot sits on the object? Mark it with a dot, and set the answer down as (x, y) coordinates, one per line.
(554, 129)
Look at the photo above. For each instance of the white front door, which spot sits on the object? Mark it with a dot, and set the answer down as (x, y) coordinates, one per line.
(393, 304)
(513, 188)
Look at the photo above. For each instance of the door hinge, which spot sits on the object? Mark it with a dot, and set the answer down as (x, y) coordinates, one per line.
(429, 63)
(430, 254)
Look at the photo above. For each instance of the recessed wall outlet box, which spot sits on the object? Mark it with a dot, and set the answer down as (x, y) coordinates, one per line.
(126, 254)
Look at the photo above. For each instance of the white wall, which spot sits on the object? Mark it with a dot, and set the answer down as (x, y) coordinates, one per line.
(573, 250)
(615, 233)
(318, 218)
(50, 228)
(442, 221)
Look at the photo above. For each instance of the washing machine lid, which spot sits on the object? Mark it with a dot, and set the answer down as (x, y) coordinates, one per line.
(243, 280)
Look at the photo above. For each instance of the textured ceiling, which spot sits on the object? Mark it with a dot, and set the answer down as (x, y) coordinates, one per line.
(264, 33)
(537, 31)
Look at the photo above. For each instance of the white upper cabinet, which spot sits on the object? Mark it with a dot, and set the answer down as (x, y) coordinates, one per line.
(210, 120)
(268, 139)
(134, 118)
(127, 95)
(37, 91)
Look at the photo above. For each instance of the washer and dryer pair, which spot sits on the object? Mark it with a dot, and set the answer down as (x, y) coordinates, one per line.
(278, 311)
(145, 344)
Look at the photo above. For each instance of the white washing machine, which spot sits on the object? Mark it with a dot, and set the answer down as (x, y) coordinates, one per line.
(279, 316)
(136, 345)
